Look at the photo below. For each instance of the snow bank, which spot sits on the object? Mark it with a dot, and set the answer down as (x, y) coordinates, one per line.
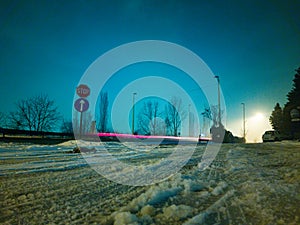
(148, 210)
(71, 143)
(155, 203)
(122, 218)
(159, 196)
(178, 212)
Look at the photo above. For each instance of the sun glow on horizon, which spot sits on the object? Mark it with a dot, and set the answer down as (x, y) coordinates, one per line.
(258, 116)
(256, 125)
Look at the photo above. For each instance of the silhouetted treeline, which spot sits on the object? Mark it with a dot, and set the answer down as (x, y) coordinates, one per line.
(286, 119)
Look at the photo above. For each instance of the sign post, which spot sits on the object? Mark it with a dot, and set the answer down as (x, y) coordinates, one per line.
(82, 104)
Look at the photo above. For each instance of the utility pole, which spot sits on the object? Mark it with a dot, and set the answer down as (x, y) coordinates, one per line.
(133, 102)
(189, 115)
(219, 100)
(244, 122)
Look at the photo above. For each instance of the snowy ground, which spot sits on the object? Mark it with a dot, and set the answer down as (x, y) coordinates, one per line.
(246, 184)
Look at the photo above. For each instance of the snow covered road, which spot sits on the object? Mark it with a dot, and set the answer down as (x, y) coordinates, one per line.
(245, 184)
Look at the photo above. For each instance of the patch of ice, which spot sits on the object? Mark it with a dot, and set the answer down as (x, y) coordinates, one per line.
(193, 186)
(219, 189)
(199, 219)
(160, 196)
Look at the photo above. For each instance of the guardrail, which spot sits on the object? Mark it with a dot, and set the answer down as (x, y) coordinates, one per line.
(5, 131)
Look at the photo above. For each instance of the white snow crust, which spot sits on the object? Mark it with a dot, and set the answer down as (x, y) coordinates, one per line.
(245, 184)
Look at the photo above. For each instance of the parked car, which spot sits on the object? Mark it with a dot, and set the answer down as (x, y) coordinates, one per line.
(271, 135)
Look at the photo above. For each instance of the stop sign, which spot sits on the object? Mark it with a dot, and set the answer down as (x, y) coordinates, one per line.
(83, 91)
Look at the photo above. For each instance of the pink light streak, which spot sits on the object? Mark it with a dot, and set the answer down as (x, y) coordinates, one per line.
(118, 135)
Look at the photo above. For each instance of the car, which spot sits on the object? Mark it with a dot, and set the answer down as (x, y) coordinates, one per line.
(271, 135)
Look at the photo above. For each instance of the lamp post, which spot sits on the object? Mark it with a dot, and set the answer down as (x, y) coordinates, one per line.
(244, 122)
(189, 121)
(219, 101)
(133, 102)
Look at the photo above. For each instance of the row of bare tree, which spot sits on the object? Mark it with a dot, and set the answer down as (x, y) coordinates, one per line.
(37, 113)
(152, 120)
(40, 114)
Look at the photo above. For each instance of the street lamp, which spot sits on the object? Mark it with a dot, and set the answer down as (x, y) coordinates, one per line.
(219, 101)
(133, 102)
(191, 128)
(244, 122)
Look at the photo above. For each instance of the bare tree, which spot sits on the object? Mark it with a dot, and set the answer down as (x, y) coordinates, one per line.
(66, 127)
(102, 124)
(175, 114)
(3, 120)
(149, 119)
(37, 113)
(211, 113)
(207, 113)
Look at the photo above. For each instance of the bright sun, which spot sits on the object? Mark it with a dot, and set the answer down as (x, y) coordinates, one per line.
(256, 125)
(258, 117)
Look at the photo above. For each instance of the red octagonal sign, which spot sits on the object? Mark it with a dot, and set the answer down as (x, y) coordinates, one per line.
(83, 91)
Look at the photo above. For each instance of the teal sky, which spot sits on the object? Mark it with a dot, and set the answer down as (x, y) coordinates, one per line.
(46, 46)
